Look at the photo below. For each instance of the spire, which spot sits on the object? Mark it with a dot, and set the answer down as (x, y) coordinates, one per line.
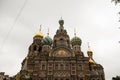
(90, 54)
(88, 45)
(48, 32)
(74, 32)
(61, 18)
(89, 50)
(40, 28)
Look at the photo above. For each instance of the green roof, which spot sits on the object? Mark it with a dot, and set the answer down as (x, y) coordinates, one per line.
(76, 41)
(47, 40)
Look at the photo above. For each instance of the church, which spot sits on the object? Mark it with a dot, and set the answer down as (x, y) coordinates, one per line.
(59, 58)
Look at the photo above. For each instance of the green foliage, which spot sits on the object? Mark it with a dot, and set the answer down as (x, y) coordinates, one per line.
(116, 78)
(116, 1)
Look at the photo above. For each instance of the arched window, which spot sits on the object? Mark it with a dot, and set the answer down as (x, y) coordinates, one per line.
(79, 67)
(67, 42)
(41, 79)
(79, 47)
(49, 78)
(39, 49)
(61, 67)
(81, 79)
(75, 48)
(43, 67)
(61, 41)
(34, 47)
(4, 79)
(55, 43)
(56, 66)
(66, 67)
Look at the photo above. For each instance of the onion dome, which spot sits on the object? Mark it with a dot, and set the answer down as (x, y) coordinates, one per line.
(47, 41)
(89, 51)
(61, 22)
(76, 41)
(39, 33)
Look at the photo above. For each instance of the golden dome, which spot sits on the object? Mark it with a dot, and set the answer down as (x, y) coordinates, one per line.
(89, 50)
(40, 34)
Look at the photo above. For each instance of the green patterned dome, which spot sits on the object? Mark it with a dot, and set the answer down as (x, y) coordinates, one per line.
(47, 41)
(61, 21)
(76, 41)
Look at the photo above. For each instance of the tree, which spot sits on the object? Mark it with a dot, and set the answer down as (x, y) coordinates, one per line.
(116, 78)
(116, 1)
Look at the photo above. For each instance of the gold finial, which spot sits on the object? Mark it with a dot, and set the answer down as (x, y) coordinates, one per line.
(40, 28)
(61, 18)
(74, 32)
(48, 32)
(90, 53)
(88, 45)
(89, 50)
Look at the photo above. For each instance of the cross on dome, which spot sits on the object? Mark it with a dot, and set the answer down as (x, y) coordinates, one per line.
(39, 33)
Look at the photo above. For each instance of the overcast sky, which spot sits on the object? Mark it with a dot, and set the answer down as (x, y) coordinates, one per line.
(96, 21)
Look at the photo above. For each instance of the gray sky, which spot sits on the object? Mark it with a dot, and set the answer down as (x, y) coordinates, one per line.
(96, 21)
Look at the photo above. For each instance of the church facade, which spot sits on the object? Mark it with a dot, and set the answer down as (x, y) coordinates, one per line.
(59, 59)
